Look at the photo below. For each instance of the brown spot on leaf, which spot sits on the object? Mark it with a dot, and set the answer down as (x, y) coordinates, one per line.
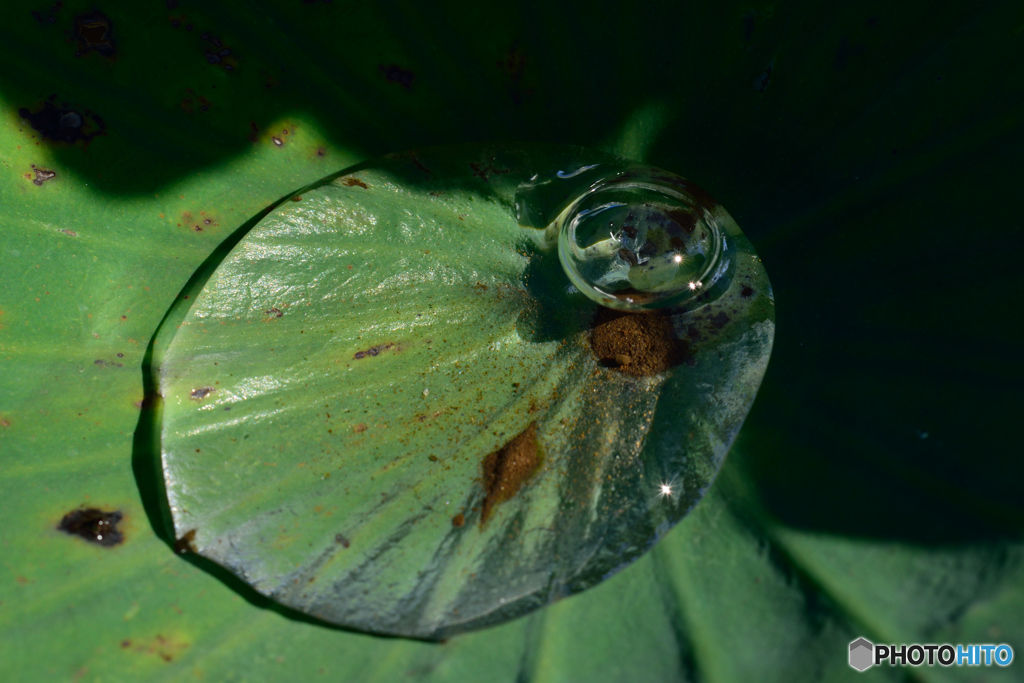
(216, 52)
(420, 165)
(62, 124)
(485, 170)
(165, 647)
(184, 545)
(344, 542)
(201, 393)
(349, 181)
(42, 175)
(361, 427)
(459, 520)
(373, 351)
(508, 468)
(646, 339)
(94, 525)
(395, 74)
(747, 292)
(195, 101)
(94, 32)
(273, 312)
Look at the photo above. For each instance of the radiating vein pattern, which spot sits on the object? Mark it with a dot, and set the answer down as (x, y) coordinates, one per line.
(406, 429)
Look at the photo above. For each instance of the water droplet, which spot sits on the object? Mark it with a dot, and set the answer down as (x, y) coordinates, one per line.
(641, 240)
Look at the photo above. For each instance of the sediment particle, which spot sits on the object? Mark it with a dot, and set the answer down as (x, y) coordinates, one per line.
(636, 344)
(508, 468)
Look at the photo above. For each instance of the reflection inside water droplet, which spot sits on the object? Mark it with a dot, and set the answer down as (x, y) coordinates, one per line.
(634, 243)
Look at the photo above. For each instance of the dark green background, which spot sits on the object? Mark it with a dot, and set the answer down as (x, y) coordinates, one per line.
(871, 151)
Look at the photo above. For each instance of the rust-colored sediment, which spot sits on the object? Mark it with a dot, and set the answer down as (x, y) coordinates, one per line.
(508, 468)
(636, 344)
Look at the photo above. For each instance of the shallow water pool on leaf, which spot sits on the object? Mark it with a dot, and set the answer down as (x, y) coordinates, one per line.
(389, 408)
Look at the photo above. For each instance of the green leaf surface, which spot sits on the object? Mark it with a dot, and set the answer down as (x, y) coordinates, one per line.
(333, 397)
(868, 150)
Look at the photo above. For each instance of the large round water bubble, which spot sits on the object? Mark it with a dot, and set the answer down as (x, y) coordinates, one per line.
(634, 242)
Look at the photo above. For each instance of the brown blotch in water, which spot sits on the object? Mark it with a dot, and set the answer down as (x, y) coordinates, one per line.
(95, 526)
(184, 544)
(636, 344)
(686, 220)
(508, 468)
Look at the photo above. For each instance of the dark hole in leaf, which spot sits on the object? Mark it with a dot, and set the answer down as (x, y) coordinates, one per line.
(94, 525)
(94, 33)
(42, 175)
(63, 124)
(373, 351)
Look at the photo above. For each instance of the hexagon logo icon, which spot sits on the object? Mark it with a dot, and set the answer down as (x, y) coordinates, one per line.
(861, 654)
